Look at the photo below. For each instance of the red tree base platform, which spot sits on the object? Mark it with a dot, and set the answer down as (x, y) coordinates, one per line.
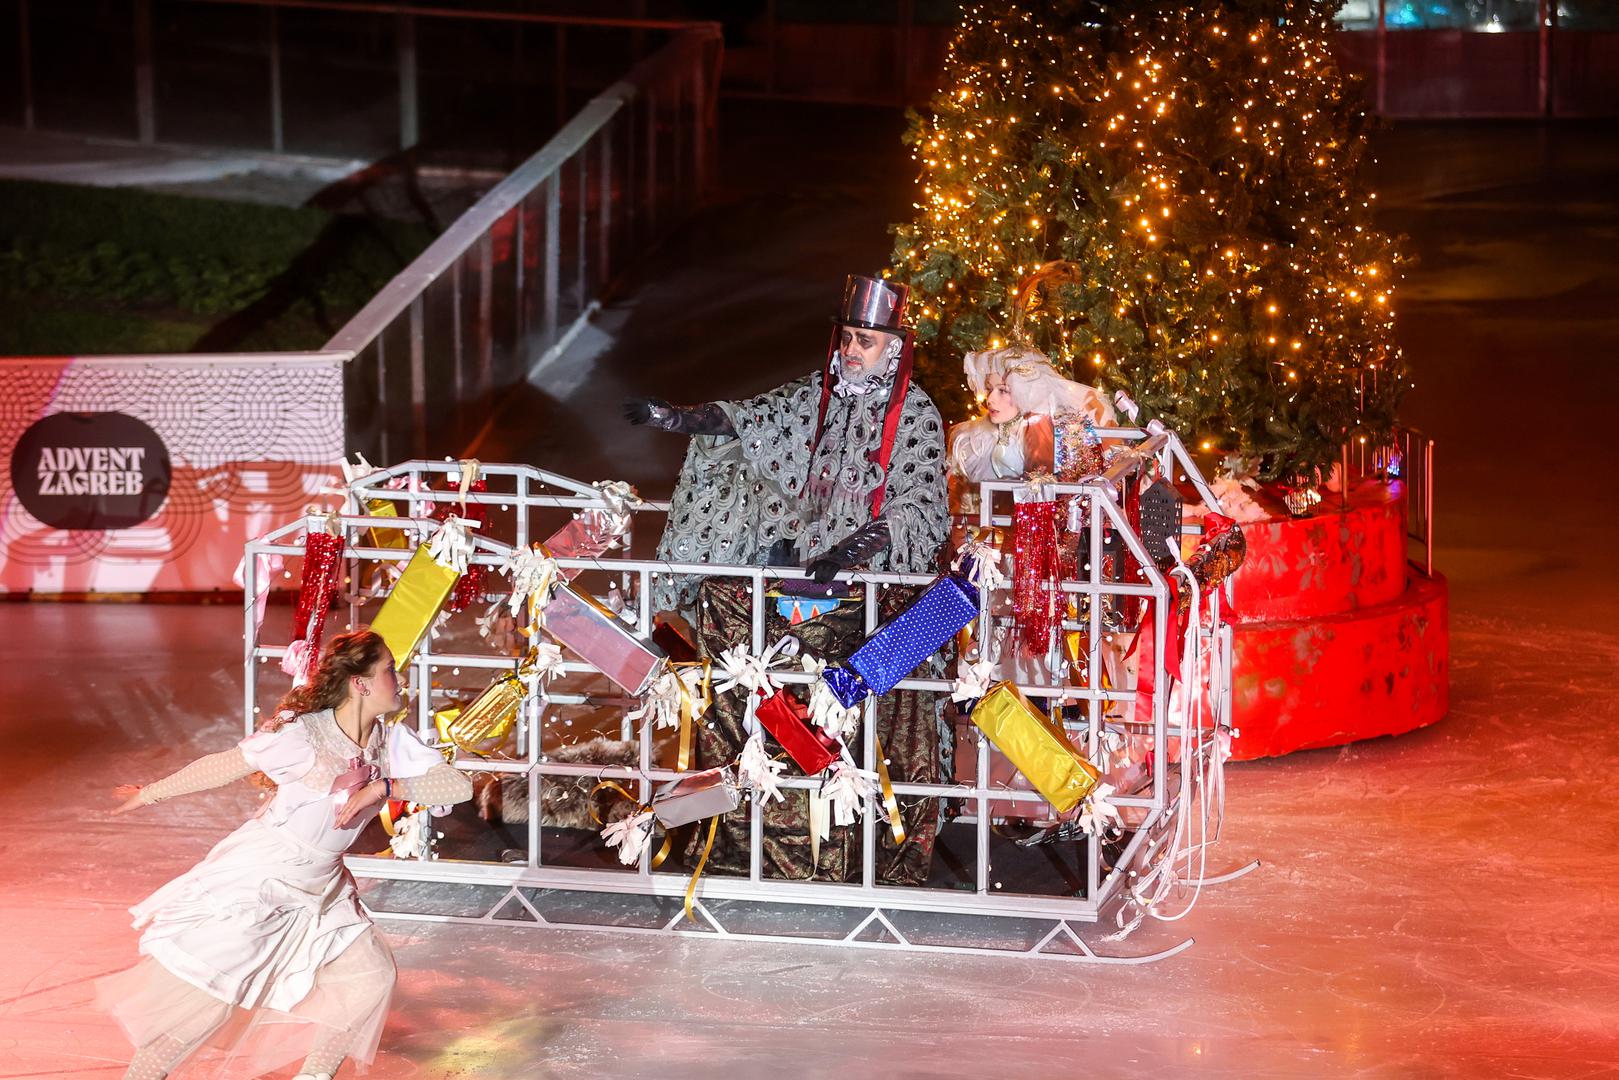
(1337, 638)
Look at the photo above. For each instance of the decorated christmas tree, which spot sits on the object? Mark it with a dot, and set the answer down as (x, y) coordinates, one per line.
(1180, 190)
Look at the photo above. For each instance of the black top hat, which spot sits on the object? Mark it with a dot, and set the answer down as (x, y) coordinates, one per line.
(873, 304)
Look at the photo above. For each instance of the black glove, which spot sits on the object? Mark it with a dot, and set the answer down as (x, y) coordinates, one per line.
(638, 410)
(856, 549)
(824, 570)
(707, 419)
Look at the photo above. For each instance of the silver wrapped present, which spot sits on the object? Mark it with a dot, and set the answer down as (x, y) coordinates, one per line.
(589, 534)
(601, 639)
(695, 797)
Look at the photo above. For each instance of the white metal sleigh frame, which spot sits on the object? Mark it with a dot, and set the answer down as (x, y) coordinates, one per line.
(1170, 821)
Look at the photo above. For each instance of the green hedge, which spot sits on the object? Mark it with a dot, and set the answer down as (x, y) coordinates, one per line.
(257, 276)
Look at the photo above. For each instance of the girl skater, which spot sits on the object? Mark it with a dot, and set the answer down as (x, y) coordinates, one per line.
(262, 948)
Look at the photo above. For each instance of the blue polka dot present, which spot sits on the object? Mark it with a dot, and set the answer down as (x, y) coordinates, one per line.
(896, 648)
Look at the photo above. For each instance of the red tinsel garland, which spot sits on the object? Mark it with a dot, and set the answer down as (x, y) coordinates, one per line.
(1037, 599)
(323, 554)
(470, 585)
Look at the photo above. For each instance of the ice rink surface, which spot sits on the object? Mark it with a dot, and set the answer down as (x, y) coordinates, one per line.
(1440, 904)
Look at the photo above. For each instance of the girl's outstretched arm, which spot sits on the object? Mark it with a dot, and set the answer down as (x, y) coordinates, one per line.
(215, 770)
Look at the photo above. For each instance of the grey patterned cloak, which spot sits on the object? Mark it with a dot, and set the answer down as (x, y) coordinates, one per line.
(736, 496)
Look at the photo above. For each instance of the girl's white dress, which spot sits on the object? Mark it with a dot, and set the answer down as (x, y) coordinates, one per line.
(267, 932)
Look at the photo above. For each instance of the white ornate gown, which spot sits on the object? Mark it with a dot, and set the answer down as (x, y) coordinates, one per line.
(267, 932)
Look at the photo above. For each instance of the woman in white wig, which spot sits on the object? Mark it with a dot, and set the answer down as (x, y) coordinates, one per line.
(1033, 424)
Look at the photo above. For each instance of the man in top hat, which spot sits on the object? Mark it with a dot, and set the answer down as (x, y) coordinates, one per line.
(841, 469)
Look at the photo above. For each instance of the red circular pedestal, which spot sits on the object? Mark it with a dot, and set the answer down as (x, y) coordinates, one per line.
(1336, 638)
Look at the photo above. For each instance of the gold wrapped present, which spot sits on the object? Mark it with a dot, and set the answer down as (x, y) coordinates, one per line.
(1036, 744)
(413, 605)
(384, 537)
(481, 727)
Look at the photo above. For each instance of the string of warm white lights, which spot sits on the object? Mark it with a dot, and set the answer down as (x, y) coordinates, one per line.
(1201, 166)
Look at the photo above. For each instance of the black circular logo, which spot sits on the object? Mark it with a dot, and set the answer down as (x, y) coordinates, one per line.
(90, 471)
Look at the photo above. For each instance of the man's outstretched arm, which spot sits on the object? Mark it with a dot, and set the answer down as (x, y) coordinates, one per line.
(707, 419)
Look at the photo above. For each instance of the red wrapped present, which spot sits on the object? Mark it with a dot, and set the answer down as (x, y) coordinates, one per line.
(787, 720)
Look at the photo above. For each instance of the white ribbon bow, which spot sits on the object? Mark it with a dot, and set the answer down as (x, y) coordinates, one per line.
(451, 546)
(1126, 405)
(826, 711)
(630, 835)
(414, 837)
(662, 700)
(1099, 815)
(972, 680)
(756, 769)
(752, 673)
(296, 662)
(532, 571)
(985, 563)
(847, 789)
(357, 471)
(541, 667)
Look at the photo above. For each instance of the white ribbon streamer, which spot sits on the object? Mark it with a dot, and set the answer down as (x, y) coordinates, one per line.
(532, 571)
(662, 700)
(752, 673)
(451, 546)
(984, 560)
(414, 837)
(630, 835)
(296, 662)
(758, 771)
(847, 789)
(542, 666)
(1098, 814)
(622, 500)
(972, 680)
(826, 711)
(265, 567)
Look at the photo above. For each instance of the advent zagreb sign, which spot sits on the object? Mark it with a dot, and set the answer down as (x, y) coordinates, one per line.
(101, 470)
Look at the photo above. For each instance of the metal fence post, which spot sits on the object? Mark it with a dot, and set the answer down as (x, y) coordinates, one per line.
(553, 254)
(418, 377)
(604, 207)
(277, 133)
(145, 93)
(409, 118)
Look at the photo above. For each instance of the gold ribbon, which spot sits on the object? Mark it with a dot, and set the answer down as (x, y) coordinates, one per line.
(469, 476)
(895, 824)
(708, 845)
(691, 707)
